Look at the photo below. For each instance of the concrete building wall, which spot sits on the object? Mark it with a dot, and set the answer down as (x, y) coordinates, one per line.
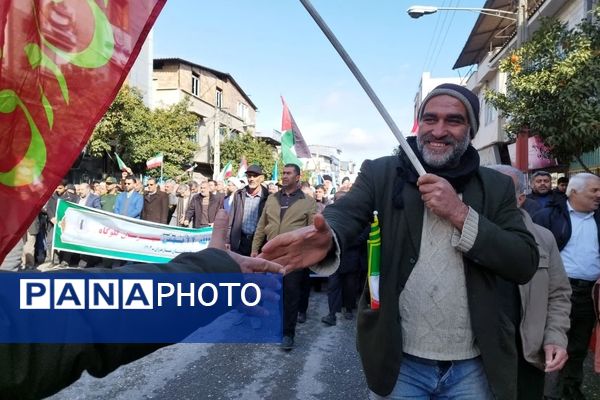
(173, 81)
(140, 75)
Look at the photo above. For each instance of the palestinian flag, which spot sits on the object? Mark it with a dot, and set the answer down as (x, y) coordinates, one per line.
(293, 145)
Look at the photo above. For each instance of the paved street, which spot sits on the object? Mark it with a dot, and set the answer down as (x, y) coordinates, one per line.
(324, 365)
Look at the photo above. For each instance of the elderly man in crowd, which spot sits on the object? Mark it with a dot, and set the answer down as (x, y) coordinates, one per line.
(447, 238)
(247, 206)
(203, 207)
(87, 197)
(575, 224)
(545, 306)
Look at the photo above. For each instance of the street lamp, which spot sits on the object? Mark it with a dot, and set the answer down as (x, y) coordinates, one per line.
(419, 11)
(520, 17)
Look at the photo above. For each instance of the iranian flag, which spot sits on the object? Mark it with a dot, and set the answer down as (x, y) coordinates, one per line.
(226, 172)
(155, 161)
(374, 261)
(293, 145)
(61, 65)
(121, 164)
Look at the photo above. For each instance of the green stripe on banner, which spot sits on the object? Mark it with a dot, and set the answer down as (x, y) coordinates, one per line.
(101, 233)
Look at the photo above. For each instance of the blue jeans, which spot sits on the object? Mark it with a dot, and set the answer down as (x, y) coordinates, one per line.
(421, 379)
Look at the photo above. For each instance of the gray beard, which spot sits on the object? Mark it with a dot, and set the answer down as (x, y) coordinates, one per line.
(449, 159)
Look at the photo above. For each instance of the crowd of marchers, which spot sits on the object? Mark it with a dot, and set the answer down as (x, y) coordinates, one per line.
(253, 220)
(485, 291)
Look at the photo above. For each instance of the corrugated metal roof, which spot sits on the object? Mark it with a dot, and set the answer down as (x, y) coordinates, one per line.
(490, 31)
(222, 75)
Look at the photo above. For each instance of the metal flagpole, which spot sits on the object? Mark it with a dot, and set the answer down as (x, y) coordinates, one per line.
(365, 85)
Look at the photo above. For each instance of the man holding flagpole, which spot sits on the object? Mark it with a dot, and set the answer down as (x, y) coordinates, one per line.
(446, 238)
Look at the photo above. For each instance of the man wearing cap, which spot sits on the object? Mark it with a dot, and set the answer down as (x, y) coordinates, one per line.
(446, 238)
(247, 206)
(107, 201)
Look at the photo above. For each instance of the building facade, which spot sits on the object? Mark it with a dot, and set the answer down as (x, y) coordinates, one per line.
(222, 107)
(491, 40)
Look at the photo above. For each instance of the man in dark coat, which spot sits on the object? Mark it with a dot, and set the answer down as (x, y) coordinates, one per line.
(446, 238)
(575, 224)
(156, 204)
(541, 191)
(64, 191)
(203, 208)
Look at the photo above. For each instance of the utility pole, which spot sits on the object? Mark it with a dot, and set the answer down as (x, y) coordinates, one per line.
(217, 145)
(522, 144)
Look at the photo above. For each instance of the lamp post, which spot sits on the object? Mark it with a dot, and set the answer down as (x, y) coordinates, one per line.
(520, 17)
(419, 11)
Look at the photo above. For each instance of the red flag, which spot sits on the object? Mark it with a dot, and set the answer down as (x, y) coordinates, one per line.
(61, 66)
(415, 127)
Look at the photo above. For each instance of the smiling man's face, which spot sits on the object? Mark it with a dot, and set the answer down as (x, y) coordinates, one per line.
(443, 131)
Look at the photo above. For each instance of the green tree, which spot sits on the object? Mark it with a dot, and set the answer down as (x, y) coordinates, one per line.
(553, 88)
(255, 150)
(172, 133)
(127, 116)
(137, 133)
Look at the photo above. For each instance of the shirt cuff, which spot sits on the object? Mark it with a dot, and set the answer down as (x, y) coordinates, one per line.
(464, 241)
(331, 262)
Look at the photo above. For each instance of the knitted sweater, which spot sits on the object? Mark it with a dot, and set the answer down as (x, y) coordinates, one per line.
(434, 311)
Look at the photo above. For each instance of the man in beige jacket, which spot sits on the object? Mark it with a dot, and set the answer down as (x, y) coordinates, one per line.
(545, 306)
(285, 211)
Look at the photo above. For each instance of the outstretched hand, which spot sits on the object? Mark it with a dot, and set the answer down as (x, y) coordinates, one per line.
(247, 264)
(300, 248)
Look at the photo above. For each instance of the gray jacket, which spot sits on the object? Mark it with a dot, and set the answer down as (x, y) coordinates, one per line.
(545, 300)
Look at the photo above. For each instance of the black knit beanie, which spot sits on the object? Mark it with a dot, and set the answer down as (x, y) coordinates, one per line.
(464, 95)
